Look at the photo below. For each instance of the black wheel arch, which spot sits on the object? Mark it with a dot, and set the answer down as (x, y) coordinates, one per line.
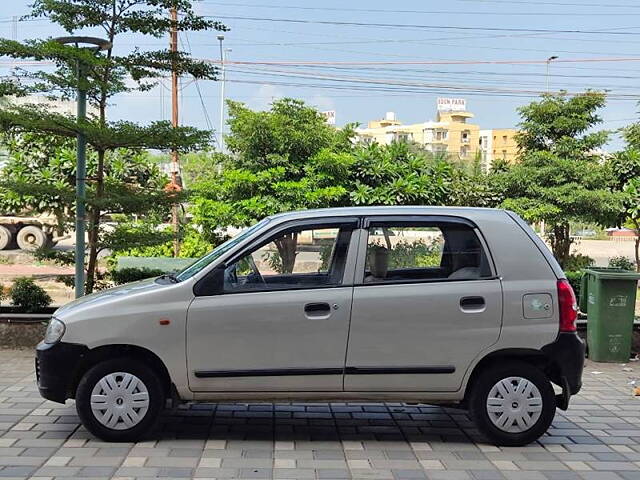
(109, 352)
(530, 356)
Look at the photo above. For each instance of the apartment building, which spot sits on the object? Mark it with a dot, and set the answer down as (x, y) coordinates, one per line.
(451, 133)
(497, 144)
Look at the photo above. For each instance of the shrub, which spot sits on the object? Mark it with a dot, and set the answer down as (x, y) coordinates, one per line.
(28, 296)
(574, 280)
(132, 274)
(622, 263)
(577, 261)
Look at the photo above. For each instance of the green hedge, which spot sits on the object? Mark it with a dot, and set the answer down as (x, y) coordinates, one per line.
(127, 275)
(574, 279)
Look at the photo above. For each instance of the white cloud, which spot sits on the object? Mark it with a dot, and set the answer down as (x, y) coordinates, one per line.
(264, 97)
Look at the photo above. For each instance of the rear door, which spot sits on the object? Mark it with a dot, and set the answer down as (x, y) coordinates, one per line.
(426, 302)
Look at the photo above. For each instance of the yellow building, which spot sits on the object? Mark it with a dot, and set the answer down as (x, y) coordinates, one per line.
(498, 144)
(450, 133)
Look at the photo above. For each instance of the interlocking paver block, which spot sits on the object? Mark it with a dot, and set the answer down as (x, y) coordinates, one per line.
(598, 438)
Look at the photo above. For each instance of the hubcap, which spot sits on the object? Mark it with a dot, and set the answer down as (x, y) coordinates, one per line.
(514, 404)
(119, 401)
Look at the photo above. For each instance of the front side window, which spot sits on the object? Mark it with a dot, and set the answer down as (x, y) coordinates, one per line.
(293, 259)
(424, 252)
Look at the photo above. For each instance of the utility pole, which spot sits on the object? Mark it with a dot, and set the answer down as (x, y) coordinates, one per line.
(222, 78)
(175, 186)
(549, 60)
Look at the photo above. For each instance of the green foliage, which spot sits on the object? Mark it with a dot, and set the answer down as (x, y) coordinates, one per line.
(622, 263)
(3, 294)
(574, 278)
(559, 178)
(193, 245)
(127, 275)
(417, 253)
(626, 168)
(104, 74)
(28, 296)
(577, 261)
(287, 158)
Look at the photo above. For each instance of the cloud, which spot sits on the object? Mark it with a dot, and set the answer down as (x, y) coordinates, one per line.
(323, 103)
(264, 97)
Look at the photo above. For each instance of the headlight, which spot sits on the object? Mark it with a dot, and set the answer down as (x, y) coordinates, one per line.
(55, 331)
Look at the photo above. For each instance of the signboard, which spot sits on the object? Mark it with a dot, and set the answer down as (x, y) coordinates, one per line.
(452, 105)
(330, 117)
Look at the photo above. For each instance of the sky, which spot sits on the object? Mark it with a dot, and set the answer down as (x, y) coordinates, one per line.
(364, 58)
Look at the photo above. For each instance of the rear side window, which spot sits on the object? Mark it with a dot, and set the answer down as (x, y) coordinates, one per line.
(406, 252)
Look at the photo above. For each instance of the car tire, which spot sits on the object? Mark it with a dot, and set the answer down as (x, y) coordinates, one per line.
(120, 400)
(512, 405)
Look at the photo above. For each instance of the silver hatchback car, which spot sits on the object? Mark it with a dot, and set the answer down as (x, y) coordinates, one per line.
(455, 306)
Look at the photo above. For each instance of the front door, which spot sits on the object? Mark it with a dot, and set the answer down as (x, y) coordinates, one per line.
(281, 322)
(426, 303)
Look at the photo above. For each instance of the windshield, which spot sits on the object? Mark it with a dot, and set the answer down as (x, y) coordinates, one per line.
(197, 266)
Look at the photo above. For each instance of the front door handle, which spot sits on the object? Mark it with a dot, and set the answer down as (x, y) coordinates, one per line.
(472, 304)
(317, 310)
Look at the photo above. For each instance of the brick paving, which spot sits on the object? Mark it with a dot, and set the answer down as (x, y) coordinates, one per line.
(597, 439)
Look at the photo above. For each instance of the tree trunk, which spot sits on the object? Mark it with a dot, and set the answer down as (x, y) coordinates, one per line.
(287, 246)
(637, 244)
(561, 242)
(94, 225)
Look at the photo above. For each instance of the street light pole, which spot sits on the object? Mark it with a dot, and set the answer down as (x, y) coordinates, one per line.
(81, 181)
(222, 78)
(95, 45)
(549, 60)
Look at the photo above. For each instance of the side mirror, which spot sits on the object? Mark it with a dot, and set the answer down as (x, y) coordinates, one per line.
(212, 283)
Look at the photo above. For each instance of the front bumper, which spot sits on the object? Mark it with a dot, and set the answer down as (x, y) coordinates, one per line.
(566, 356)
(56, 369)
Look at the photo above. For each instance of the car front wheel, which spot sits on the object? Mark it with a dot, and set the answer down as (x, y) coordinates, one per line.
(119, 400)
(513, 405)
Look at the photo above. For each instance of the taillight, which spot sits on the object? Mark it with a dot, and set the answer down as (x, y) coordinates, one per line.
(568, 306)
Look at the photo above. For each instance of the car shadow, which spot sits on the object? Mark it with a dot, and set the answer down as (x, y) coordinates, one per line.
(319, 422)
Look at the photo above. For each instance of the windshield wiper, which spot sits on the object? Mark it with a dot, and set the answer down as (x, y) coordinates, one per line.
(169, 276)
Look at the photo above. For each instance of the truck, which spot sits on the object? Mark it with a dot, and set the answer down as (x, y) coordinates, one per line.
(29, 232)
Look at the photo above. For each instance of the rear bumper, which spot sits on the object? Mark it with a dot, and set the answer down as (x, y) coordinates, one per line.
(56, 367)
(566, 355)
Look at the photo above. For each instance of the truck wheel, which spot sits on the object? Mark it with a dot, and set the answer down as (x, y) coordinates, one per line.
(119, 400)
(5, 237)
(513, 405)
(31, 238)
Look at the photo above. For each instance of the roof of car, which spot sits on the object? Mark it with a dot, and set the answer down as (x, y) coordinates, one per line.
(388, 210)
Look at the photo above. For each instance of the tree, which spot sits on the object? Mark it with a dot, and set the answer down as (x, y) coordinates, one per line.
(288, 158)
(559, 176)
(106, 76)
(626, 167)
(40, 176)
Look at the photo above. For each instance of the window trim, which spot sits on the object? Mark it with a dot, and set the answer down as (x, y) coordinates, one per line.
(414, 220)
(345, 224)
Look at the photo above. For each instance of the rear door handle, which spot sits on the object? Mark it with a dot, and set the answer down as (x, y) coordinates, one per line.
(317, 310)
(472, 304)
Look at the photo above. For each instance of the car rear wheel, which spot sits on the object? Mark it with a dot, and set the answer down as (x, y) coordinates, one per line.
(119, 400)
(513, 405)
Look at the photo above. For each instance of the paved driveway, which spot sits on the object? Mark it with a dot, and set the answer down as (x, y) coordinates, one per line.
(597, 439)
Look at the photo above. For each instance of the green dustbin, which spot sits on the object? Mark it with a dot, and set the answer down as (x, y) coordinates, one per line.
(608, 297)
